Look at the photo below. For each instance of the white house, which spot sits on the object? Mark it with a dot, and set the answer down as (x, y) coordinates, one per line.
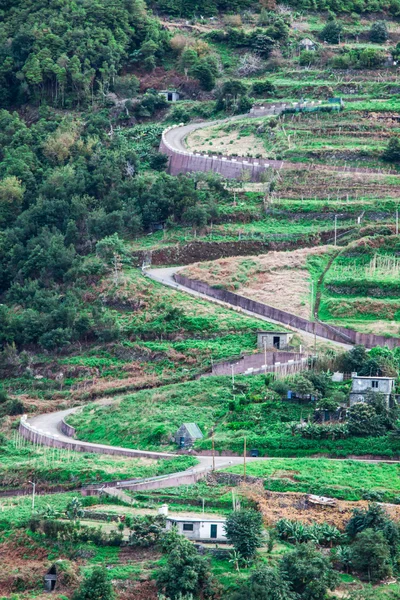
(362, 384)
(199, 529)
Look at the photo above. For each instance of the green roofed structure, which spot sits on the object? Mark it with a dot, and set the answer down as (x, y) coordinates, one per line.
(187, 434)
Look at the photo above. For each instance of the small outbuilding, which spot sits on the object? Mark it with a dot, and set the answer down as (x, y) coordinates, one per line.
(199, 529)
(278, 340)
(187, 434)
(50, 579)
(170, 95)
(308, 45)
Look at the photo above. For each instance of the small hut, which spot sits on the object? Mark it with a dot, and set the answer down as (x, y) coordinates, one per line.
(308, 45)
(50, 579)
(187, 434)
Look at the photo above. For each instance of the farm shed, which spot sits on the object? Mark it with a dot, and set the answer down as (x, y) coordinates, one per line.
(187, 434)
(170, 95)
(273, 339)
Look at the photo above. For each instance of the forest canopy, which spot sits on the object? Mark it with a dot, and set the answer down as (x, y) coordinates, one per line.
(64, 52)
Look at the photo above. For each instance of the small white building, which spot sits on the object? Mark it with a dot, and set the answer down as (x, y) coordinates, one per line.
(308, 45)
(278, 340)
(199, 529)
(361, 385)
(170, 95)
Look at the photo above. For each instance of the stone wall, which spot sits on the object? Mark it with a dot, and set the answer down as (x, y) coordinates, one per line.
(186, 254)
(334, 333)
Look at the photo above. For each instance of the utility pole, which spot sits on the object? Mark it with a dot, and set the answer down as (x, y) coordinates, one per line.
(265, 357)
(244, 459)
(335, 230)
(213, 450)
(397, 221)
(312, 300)
(233, 376)
(33, 494)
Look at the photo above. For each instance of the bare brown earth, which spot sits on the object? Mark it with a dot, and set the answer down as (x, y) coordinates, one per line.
(279, 279)
(294, 506)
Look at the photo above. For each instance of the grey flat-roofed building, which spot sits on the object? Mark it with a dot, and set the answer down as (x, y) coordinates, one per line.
(362, 384)
(273, 339)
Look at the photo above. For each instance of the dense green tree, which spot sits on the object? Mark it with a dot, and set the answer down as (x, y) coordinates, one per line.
(331, 32)
(186, 572)
(244, 531)
(371, 555)
(309, 572)
(392, 151)
(378, 33)
(266, 583)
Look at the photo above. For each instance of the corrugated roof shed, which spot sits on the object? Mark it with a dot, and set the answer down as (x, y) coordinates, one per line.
(193, 430)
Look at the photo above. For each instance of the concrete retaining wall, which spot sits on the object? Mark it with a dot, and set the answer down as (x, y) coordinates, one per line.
(149, 484)
(47, 439)
(67, 429)
(334, 333)
(234, 167)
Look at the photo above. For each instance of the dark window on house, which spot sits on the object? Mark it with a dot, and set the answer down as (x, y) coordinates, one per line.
(375, 384)
(277, 341)
(170, 97)
(188, 527)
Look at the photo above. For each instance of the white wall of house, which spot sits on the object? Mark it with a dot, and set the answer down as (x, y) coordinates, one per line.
(195, 529)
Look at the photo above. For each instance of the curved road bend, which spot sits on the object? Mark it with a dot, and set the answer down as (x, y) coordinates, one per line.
(166, 277)
(49, 423)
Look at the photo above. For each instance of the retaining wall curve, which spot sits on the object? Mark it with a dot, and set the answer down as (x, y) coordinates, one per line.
(44, 438)
(330, 332)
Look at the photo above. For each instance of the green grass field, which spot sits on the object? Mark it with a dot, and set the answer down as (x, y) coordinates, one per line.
(345, 479)
(251, 411)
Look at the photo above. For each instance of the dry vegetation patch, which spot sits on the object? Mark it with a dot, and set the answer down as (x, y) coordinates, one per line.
(228, 143)
(293, 505)
(279, 279)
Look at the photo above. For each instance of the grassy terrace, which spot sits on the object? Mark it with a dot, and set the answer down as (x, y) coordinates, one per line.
(164, 336)
(361, 287)
(347, 479)
(250, 410)
(21, 462)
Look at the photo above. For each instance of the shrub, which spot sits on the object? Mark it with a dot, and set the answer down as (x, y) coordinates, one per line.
(378, 32)
(263, 87)
(146, 531)
(308, 57)
(392, 152)
(95, 586)
(266, 583)
(331, 32)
